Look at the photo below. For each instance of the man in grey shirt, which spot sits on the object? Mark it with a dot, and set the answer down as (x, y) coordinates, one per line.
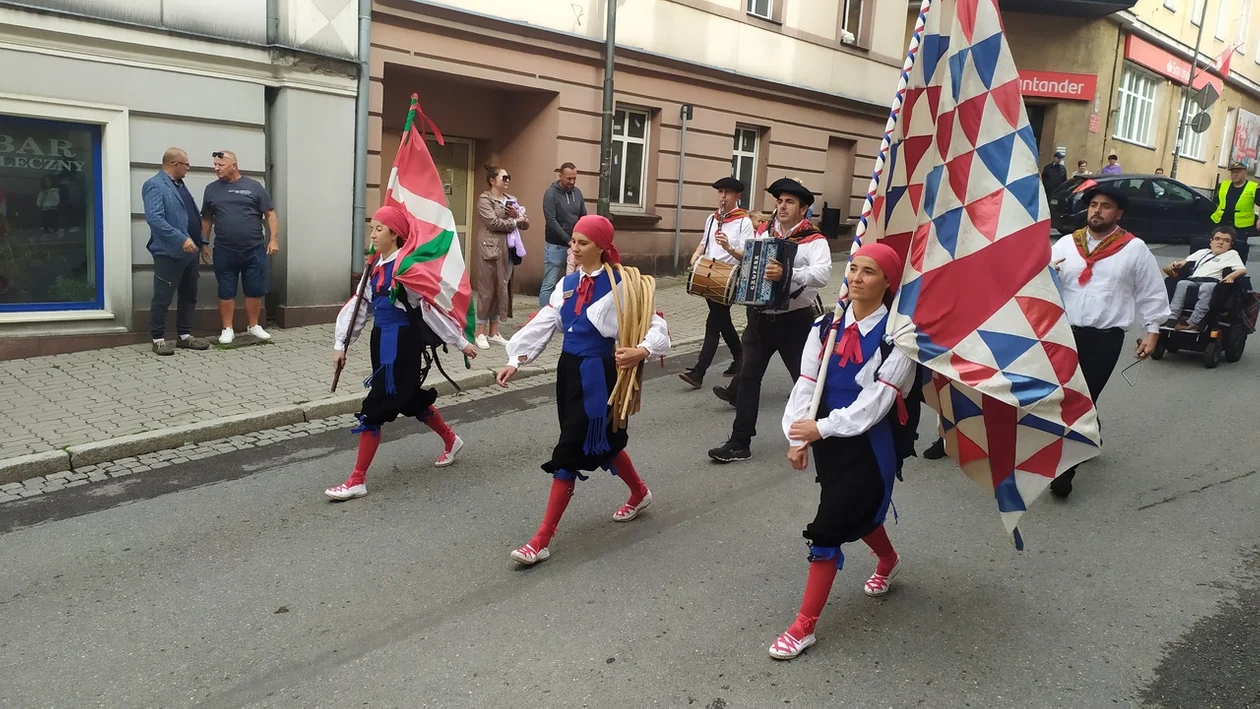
(562, 206)
(235, 206)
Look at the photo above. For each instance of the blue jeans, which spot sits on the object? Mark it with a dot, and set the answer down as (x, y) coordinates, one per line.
(553, 270)
(248, 267)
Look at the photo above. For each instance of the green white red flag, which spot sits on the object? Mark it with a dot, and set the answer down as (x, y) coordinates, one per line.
(430, 263)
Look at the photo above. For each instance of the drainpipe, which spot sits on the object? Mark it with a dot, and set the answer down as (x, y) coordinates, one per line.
(684, 114)
(1185, 94)
(605, 133)
(273, 22)
(359, 213)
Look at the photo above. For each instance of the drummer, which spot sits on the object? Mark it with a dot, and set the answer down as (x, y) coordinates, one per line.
(723, 242)
(782, 332)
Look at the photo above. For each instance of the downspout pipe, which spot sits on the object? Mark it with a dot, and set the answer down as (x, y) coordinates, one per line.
(359, 212)
(684, 115)
(605, 134)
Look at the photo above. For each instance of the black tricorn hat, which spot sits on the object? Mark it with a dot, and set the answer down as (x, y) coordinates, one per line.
(1109, 190)
(729, 183)
(792, 187)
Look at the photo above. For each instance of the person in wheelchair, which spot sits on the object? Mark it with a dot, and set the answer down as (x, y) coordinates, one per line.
(1220, 263)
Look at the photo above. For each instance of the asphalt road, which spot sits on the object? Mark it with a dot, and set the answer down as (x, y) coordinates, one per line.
(230, 581)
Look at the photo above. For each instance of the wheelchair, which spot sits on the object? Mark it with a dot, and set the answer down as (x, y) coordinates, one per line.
(1230, 318)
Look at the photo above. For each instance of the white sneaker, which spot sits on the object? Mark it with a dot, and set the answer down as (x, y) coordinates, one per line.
(482, 342)
(346, 492)
(448, 457)
(226, 337)
(528, 555)
(499, 340)
(258, 332)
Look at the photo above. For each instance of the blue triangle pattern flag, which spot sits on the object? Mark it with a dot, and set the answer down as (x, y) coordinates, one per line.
(979, 305)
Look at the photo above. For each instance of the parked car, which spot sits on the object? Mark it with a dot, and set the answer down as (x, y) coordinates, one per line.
(1161, 209)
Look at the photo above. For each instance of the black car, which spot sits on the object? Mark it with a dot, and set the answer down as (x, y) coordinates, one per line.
(1161, 209)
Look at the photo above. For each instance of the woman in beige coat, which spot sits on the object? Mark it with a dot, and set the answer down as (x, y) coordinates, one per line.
(497, 216)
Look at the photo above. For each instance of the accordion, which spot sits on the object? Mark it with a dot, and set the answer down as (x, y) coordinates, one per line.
(752, 288)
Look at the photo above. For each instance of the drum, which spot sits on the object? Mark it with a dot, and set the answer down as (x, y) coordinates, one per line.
(712, 280)
(752, 288)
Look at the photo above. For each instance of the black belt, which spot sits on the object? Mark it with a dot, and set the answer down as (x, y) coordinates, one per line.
(1099, 330)
(775, 316)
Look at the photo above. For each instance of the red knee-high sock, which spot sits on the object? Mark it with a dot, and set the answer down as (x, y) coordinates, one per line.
(883, 548)
(624, 469)
(434, 421)
(368, 441)
(817, 587)
(561, 492)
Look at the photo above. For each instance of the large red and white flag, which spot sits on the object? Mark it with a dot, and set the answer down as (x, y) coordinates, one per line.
(430, 262)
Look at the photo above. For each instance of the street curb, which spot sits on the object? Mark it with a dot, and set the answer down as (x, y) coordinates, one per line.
(13, 470)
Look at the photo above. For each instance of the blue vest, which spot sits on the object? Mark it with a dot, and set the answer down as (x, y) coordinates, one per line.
(841, 389)
(581, 338)
(389, 319)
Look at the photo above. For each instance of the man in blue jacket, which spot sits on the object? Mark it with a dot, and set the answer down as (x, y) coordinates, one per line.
(174, 241)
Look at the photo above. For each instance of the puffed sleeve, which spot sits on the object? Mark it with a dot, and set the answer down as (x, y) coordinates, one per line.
(1149, 294)
(531, 340)
(343, 320)
(879, 393)
(802, 394)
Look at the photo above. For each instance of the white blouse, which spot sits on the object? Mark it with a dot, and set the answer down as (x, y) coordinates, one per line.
(736, 233)
(441, 325)
(1120, 283)
(530, 341)
(880, 382)
(811, 269)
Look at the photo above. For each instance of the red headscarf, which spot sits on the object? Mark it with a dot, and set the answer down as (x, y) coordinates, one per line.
(600, 231)
(394, 218)
(888, 260)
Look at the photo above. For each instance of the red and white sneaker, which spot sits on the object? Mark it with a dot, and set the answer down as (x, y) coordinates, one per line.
(345, 492)
(879, 584)
(788, 647)
(528, 555)
(628, 511)
(448, 456)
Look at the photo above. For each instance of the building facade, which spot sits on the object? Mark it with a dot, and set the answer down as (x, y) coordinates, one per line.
(92, 92)
(775, 87)
(1102, 78)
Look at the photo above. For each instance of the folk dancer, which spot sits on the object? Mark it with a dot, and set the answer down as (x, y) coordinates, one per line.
(399, 360)
(853, 440)
(776, 331)
(584, 308)
(724, 233)
(1105, 273)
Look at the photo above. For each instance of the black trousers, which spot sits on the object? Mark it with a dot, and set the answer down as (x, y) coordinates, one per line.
(1098, 350)
(173, 276)
(718, 325)
(784, 334)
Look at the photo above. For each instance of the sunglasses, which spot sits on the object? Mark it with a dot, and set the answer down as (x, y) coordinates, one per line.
(506, 177)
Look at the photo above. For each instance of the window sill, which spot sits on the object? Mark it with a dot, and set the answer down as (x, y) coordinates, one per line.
(758, 18)
(1191, 158)
(633, 219)
(1132, 142)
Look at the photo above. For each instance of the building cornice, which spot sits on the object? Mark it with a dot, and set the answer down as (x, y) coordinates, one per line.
(105, 41)
(1134, 24)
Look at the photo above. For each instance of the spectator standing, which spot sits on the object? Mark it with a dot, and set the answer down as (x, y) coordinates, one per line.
(1236, 202)
(175, 240)
(1113, 165)
(562, 206)
(1082, 169)
(1054, 174)
(497, 216)
(234, 207)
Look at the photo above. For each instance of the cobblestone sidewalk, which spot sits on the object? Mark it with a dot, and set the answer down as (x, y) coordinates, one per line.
(48, 404)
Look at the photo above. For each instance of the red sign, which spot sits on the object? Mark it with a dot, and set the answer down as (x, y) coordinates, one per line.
(1056, 84)
(1139, 51)
(1094, 123)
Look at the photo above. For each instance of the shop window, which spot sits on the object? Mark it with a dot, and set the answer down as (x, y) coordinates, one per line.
(50, 215)
(744, 161)
(1191, 143)
(629, 156)
(761, 8)
(1136, 98)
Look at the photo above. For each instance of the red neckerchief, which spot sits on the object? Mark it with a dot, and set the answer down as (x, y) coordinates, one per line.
(802, 233)
(730, 216)
(1109, 246)
(849, 348)
(585, 290)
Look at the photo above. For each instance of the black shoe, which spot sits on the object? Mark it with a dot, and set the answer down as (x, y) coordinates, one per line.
(936, 451)
(687, 376)
(730, 452)
(1061, 486)
(725, 395)
(731, 370)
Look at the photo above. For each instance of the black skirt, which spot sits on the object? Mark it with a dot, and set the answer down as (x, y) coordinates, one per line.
(410, 398)
(568, 453)
(852, 491)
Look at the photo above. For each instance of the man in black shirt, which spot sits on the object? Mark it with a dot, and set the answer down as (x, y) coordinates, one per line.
(1054, 174)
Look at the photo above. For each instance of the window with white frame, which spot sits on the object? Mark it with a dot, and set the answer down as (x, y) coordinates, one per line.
(744, 161)
(1171, 5)
(1196, 11)
(1227, 138)
(851, 21)
(1191, 142)
(1136, 98)
(629, 157)
(1223, 17)
(761, 8)
(1243, 26)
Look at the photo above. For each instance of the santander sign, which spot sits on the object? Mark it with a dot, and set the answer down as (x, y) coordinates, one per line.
(1056, 84)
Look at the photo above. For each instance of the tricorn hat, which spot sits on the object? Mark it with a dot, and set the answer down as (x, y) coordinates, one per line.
(792, 187)
(729, 183)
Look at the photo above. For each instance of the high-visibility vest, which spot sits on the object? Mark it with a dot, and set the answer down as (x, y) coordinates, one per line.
(1244, 211)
